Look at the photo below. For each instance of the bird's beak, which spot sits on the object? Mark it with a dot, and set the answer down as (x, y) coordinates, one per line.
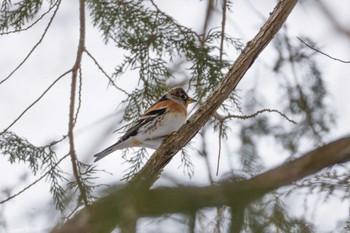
(190, 100)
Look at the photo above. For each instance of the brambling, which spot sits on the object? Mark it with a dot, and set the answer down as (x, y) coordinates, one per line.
(164, 117)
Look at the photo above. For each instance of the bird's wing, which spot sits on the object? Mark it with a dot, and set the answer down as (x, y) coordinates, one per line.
(144, 119)
(132, 131)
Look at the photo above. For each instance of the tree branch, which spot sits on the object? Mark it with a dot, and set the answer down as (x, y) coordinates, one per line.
(107, 212)
(57, 5)
(34, 182)
(152, 169)
(224, 118)
(34, 23)
(72, 120)
(105, 73)
(319, 51)
(37, 100)
(188, 199)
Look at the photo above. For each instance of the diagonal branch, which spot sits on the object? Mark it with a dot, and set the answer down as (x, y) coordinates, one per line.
(319, 51)
(34, 182)
(34, 23)
(105, 73)
(37, 100)
(57, 5)
(153, 168)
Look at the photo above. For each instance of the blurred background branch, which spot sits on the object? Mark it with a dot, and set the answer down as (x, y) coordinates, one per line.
(115, 208)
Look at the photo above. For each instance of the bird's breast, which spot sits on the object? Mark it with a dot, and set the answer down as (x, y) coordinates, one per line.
(162, 126)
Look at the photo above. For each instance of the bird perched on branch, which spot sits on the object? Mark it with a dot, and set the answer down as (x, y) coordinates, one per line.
(164, 117)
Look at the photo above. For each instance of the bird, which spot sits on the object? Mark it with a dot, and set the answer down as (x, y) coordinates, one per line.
(160, 120)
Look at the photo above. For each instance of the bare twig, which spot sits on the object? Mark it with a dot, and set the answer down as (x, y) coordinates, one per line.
(72, 120)
(181, 29)
(79, 96)
(319, 51)
(223, 118)
(57, 141)
(35, 22)
(105, 73)
(37, 100)
(36, 45)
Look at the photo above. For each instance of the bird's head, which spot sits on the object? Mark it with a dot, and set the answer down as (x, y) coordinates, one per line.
(179, 94)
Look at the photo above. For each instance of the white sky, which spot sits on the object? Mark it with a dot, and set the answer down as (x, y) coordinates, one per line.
(48, 119)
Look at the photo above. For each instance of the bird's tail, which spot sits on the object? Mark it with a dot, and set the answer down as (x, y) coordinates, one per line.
(107, 151)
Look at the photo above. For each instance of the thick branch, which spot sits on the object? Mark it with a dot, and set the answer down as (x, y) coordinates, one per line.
(187, 199)
(111, 210)
(151, 171)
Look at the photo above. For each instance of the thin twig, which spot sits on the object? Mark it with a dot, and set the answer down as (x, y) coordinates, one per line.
(37, 100)
(35, 46)
(57, 141)
(72, 120)
(35, 22)
(181, 28)
(105, 73)
(223, 118)
(79, 96)
(319, 51)
(33, 183)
